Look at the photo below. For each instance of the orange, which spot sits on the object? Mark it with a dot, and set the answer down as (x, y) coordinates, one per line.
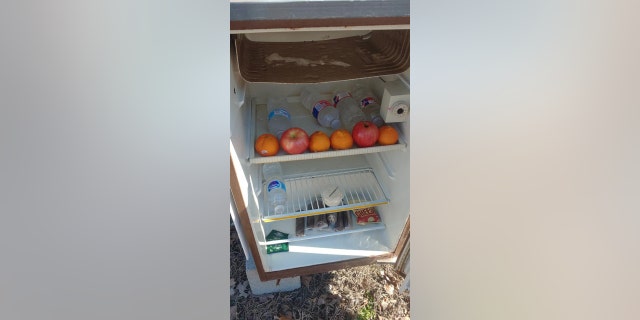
(341, 139)
(387, 135)
(267, 145)
(319, 141)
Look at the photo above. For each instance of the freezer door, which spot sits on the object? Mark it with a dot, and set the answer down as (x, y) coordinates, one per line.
(260, 16)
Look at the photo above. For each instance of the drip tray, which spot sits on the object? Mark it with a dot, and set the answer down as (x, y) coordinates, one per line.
(378, 53)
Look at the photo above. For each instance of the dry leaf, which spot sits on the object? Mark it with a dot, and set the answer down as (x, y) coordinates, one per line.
(234, 312)
(241, 288)
(389, 289)
(306, 280)
(284, 317)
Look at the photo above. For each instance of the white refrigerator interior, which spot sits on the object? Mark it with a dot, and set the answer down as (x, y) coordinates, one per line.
(377, 177)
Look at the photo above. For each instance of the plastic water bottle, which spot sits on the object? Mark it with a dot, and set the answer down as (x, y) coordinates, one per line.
(276, 189)
(278, 117)
(369, 104)
(349, 108)
(322, 108)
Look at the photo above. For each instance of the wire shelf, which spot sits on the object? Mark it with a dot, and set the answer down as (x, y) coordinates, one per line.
(360, 189)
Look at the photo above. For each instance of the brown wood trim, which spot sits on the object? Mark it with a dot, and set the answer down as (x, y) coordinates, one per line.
(404, 236)
(325, 267)
(245, 222)
(402, 262)
(401, 247)
(317, 23)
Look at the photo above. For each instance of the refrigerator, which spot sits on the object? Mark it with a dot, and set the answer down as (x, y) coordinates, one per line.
(277, 50)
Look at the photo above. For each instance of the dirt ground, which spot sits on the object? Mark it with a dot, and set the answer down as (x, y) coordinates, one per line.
(368, 292)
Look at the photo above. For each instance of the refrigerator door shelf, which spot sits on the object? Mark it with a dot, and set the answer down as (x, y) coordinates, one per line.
(360, 187)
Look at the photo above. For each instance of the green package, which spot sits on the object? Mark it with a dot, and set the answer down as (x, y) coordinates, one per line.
(277, 235)
(280, 247)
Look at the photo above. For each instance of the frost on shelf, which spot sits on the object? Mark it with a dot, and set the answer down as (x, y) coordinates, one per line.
(275, 58)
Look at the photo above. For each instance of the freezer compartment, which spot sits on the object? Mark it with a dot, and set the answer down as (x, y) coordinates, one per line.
(378, 53)
(306, 193)
(302, 118)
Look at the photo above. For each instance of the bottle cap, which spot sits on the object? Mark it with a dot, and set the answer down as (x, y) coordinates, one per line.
(377, 120)
(335, 124)
(332, 196)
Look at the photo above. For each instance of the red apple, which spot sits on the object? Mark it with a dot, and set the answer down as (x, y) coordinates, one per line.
(365, 134)
(294, 140)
